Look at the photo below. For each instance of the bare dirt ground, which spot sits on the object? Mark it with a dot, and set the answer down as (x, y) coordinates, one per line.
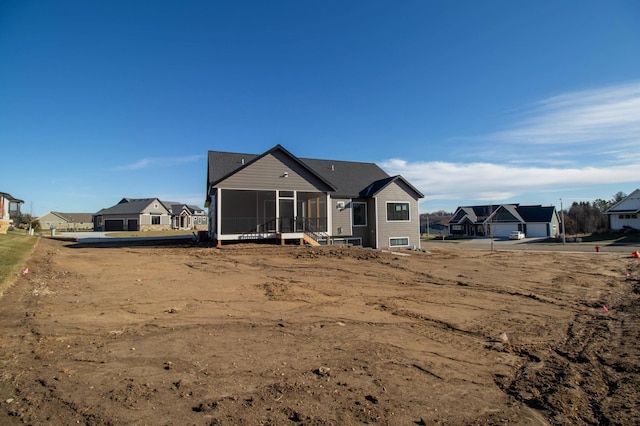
(266, 335)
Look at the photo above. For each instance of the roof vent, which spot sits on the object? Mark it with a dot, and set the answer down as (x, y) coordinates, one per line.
(333, 168)
(242, 161)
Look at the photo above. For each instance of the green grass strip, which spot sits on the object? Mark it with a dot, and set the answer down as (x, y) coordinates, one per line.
(15, 249)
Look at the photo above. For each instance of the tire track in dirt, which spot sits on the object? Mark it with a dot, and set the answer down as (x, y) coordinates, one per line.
(264, 335)
(601, 384)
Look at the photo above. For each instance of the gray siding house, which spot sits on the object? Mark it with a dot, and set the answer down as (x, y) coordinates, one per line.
(499, 220)
(149, 214)
(276, 195)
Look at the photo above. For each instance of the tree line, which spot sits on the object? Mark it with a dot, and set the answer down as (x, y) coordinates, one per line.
(586, 217)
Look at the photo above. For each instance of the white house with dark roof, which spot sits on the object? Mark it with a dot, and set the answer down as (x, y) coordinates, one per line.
(276, 195)
(625, 214)
(149, 214)
(500, 219)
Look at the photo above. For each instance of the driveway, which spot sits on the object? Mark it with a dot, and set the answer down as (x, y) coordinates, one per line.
(534, 244)
(102, 237)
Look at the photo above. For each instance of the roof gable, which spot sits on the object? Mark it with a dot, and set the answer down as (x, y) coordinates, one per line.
(131, 206)
(379, 185)
(346, 179)
(541, 214)
(222, 165)
(75, 217)
(504, 213)
(629, 204)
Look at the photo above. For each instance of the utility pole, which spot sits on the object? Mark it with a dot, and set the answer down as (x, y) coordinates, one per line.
(490, 224)
(564, 241)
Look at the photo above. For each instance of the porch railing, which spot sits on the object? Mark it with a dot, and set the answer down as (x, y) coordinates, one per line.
(254, 226)
(315, 227)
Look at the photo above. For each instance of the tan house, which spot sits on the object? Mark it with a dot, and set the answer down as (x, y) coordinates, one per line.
(276, 195)
(66, 221)
(149, 214)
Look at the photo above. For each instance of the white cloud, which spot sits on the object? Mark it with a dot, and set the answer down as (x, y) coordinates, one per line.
(609, 115)
(498, 182)
(161, 162)
(575, 140)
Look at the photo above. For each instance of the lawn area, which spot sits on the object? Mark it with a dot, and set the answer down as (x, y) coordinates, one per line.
(14, 250)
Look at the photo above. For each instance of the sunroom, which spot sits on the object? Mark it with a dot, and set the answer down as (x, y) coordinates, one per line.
(255, 214)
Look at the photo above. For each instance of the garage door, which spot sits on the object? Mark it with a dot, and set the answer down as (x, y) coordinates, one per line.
(113, 225)
(132, 225)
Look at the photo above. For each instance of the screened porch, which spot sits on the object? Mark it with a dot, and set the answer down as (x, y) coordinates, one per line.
(258, 214)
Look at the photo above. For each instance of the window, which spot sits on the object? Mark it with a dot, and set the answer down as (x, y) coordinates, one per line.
(398, 242)
(397, 211)
(359, 214)
(351, 241)
(155, 219)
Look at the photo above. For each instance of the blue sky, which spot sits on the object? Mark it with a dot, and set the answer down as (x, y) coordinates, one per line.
(472, 101)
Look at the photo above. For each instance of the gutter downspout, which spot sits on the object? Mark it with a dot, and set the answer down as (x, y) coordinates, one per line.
(329, 214)
(375, 212)
(218, 213)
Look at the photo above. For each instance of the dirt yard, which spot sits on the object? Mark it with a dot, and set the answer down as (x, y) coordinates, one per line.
(267, 335)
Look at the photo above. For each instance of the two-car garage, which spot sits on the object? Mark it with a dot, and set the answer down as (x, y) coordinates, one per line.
(118, 225)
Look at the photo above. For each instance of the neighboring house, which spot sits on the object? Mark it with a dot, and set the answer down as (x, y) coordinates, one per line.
(276, 195)
(66, 221)
(625, 213)
(9, 211)
(149, 214)
(184, 216)
(434, 228)
(500, 220)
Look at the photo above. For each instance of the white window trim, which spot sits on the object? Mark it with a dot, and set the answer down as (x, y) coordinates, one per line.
(386, 210)
(400, 245)
(366, 221)
(346, 240)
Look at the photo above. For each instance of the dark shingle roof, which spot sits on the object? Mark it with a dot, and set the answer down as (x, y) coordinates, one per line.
(507, 213)
(128, 206)
(351, 179)
(138, 205)
(11, 198)
(177, 208)
(75, 217)
(348, 179)
(532, 214)
(379, 185)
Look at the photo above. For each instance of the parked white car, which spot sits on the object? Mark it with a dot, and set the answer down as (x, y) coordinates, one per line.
(516, 235)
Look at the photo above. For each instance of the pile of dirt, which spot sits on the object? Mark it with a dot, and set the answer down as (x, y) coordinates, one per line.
(258, 334)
